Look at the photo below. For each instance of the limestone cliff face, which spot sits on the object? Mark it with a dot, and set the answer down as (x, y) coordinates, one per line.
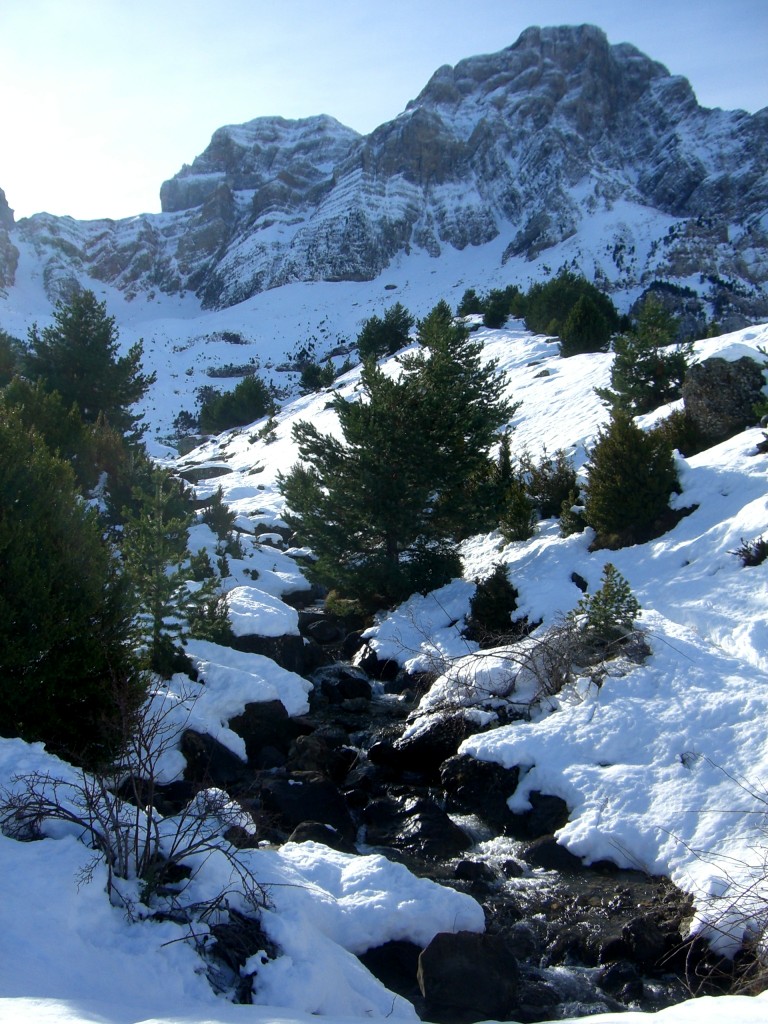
(529, 146)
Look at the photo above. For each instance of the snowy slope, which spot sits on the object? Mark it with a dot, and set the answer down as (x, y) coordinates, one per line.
(656, 766)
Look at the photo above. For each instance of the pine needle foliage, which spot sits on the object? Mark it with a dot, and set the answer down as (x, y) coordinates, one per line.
(67, 669)
(648, 368)
(78, 356)
(383, 506)
(586, 328)
(383, 336)
(549, 305)
(631, 476)
(491, 606)
(171, 603)
(607, 616)
(248, 401)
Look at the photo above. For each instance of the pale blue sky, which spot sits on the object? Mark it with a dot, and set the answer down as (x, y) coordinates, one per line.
(102, 100)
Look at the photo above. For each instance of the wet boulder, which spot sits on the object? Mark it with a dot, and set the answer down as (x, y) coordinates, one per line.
(209, 762)
(547, 814)
(548, 854)
(340, 682)
(320, 628)
(437, 737)
(479, 787)
(322, 753)
(318, 832)
(395, 964)
(289, 800)
(375, 667)
(266, 725)
(293, 653)
(413, 825)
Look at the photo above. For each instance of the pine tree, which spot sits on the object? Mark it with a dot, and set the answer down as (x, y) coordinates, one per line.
(648, 368)
(470, 303)
(11, 353)
(363, 504)
(549, 304)
(495, 308)
(630, 480)
(586, 329)
(608, 616)
(381, 337)
(517, 517)
(171, 605)
(248, 401)
(462, 406)
(78, 357)
(383, 507)
(67, 671)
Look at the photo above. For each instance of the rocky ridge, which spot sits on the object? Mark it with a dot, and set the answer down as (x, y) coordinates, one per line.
(566, 149)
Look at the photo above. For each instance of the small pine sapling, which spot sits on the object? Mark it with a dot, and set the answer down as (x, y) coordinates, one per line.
(607, 617)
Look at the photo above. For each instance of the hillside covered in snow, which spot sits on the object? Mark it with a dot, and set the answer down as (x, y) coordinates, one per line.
(661, 765)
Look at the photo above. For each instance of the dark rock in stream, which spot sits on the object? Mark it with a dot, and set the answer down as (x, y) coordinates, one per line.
(376, 668)
(467, 977)
(413, 825)
(546, 815)
(319, 752)
(293, 653)
(423, 752)
(547, 853)
(339, 682)
(561, 938)
(479, 787)
(291, 800)
(320, 628)
(210, 763)
(395, 964)
(317, 832)
(266, 725)
(438, 739)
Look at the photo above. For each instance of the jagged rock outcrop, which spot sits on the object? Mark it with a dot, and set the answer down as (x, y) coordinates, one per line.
(9, 254)
(527, 145)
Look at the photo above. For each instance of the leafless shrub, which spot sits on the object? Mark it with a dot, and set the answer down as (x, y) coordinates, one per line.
(732, 912)
(113, 812)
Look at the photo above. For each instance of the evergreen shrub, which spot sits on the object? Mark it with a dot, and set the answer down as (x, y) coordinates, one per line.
(549, 481)
(607, 616)
(383, 336)
(78, 356)
(249, 401)
(631, 475)
(384, 506)
(491, 606)
(549, 305)
(68, 675)
(648, 368)
(752, 552)
(517, 518)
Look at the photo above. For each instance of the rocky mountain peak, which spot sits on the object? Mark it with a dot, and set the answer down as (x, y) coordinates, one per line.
(571, 71)
(251, 156)
(564, 148)
(6, 213)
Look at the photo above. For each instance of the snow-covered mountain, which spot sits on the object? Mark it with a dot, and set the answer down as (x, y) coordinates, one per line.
(559, 150)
